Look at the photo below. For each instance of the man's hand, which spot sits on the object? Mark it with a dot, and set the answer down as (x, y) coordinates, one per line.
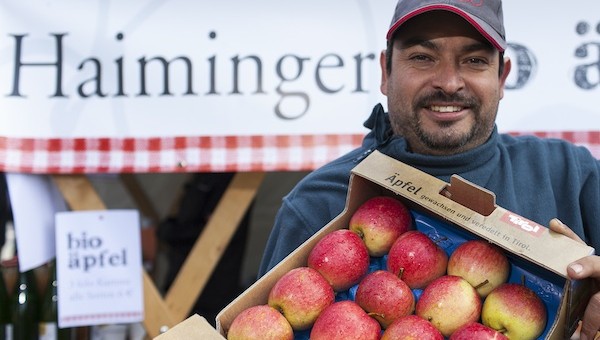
(587, 267)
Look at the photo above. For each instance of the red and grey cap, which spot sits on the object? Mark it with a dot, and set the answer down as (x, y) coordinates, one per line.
(485, 15)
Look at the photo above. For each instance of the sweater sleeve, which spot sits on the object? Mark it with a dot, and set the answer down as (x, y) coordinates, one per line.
(316, 200)
(289, 231)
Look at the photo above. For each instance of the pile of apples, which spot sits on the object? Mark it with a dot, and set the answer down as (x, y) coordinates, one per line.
(423, 292)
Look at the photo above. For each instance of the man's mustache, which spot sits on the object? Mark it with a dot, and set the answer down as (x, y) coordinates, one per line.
(438, 97)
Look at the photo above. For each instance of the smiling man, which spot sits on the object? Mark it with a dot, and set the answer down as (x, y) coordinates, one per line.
(443, 73)
(443, 85)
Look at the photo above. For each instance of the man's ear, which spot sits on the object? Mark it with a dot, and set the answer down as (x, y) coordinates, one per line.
(384, 74)
(504, 75)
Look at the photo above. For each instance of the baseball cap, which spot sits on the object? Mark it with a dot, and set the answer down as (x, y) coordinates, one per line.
(485, 15)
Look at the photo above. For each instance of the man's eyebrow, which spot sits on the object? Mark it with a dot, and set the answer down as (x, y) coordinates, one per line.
(417, 41)
(426, 43)
(479, 46)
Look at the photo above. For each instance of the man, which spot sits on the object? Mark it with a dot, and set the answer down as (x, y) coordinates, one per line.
(443, 74)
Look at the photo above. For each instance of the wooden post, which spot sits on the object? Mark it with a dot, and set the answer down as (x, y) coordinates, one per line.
(204, 256)
(139, 197)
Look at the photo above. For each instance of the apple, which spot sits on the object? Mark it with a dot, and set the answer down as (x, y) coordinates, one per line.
(379, 221)
(301, 295)
(345, 320)
(449, 302)
(411, 327)
(475, 330)
(416, 259)
(261, 322)
(385, 297)
(341, 257)
(514, 310)
(481, 263)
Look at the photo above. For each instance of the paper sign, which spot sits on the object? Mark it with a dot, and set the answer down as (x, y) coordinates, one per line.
(34, 200)
(99, 267)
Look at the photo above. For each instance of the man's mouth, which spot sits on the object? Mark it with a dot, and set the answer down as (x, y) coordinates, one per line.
(445, 108)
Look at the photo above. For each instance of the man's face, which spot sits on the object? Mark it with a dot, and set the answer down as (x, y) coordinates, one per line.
(443, 88)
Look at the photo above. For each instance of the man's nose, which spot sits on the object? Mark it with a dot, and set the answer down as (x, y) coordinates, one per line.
(448, 78)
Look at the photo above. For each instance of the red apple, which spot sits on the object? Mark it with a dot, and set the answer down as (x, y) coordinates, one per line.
(416, 259)
(345, 320)
(341, 257)
(379, 221)
(260, 322)
(411, 327)
(481, 263)
(301, 295)
(385, 297)
(514, 310)
(449, 302)
(477, 331)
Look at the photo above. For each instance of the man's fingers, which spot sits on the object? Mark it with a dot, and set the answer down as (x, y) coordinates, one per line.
(557, 226)
(588, 266)
(591, 318)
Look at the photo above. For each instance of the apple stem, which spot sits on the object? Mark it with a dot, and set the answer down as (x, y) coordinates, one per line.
(376, 314)
(280, 310)
(360, 234)
(482, 284)
(400, 273)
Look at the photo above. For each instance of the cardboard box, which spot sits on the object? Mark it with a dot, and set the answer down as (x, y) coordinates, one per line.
(194, 327)
(457, 211)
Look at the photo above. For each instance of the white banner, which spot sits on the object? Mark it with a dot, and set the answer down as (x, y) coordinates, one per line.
(110, 86)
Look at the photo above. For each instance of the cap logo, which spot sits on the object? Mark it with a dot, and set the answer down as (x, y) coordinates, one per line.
(476, 3)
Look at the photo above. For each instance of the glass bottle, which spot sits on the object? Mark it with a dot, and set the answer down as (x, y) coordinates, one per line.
(24, 307)
(5, 322)
(49, 310)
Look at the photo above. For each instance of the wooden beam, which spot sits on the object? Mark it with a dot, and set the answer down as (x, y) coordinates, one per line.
(78, 192)
(204, 256)
(139, 196)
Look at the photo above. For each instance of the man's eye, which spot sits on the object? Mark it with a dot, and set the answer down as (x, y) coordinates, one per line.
(421, 57)
(479, 61)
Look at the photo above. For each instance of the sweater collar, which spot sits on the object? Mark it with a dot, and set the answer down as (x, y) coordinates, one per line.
(382, 138)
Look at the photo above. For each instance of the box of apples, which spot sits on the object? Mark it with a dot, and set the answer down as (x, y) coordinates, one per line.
(414, 257)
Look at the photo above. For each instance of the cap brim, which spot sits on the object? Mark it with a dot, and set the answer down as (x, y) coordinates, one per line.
(481, 26)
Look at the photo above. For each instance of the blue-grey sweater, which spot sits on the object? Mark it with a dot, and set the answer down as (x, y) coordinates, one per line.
(536, 178)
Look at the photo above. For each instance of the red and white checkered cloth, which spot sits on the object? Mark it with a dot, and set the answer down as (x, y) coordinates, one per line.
(172, 154)
(196, 154)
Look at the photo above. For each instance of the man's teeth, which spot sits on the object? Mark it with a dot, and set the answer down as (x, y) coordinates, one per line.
(446, 108)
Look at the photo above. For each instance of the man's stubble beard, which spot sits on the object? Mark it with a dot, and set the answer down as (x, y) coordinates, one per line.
(446, 139)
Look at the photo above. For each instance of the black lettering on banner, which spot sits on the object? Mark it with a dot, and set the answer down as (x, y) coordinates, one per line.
(153, 74)
(525, 63)
(587, 75)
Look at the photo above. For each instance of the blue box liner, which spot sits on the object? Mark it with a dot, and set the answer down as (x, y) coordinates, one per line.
(546, 284)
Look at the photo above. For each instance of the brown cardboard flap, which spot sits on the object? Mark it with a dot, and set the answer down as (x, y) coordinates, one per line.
(512, 232)
(194, 327)
(471, 196)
